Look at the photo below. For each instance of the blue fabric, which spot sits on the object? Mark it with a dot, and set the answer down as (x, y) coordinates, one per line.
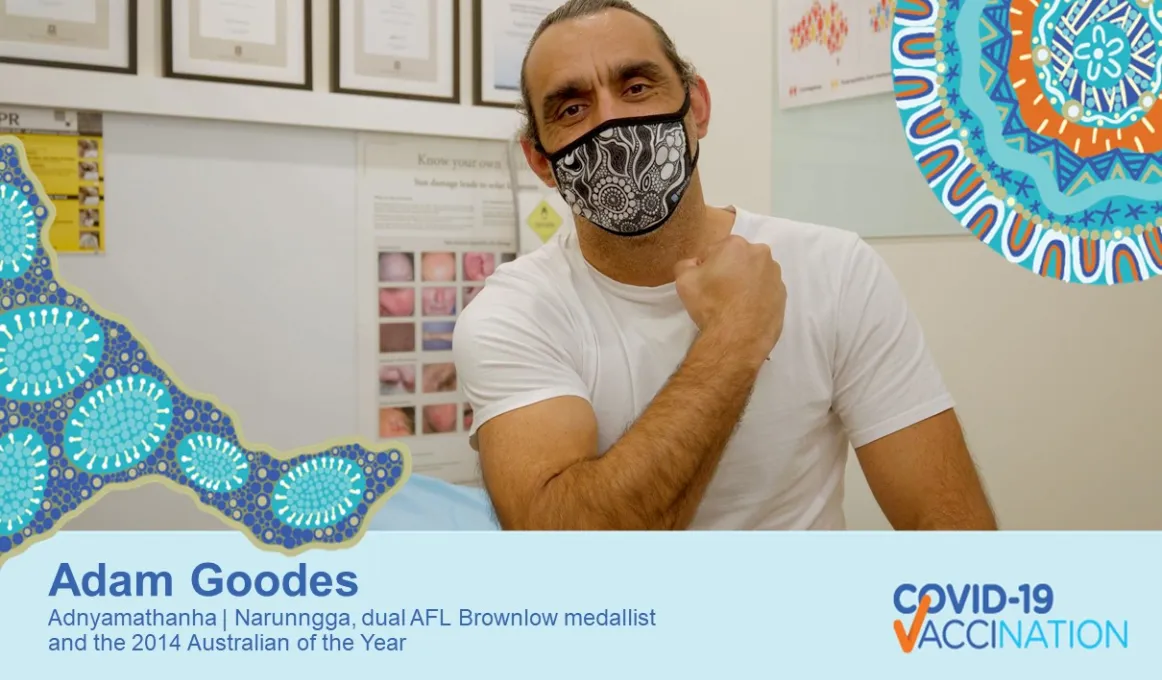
(429, 504)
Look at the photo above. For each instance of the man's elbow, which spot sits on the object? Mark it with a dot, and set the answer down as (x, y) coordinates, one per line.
(563, 520)
(537, 522)
(562, 503)
(955, 516)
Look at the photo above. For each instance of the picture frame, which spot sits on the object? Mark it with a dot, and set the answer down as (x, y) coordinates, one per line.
(405, 50)
(99, 37)
(263, 45)
(501, 32)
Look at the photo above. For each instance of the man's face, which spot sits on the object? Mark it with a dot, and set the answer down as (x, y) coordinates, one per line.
(584, 72)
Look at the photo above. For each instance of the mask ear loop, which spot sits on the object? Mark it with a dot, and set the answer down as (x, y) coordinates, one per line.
(697, 152)
(686, 133)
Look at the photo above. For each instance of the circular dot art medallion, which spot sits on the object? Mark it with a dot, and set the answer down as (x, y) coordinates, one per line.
(1035, 124)
(85, 408)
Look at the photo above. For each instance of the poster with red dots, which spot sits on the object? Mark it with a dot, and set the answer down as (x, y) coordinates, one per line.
(437, 217)
(830, 50)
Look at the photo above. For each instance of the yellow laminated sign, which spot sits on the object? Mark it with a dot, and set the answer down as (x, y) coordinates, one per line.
(544, 221)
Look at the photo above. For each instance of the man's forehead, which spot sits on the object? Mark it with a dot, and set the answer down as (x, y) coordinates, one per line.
(582, 48)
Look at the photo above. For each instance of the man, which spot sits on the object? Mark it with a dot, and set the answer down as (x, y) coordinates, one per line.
(671, 365)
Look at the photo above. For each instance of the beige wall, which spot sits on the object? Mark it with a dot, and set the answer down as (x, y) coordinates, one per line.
(1060, 402)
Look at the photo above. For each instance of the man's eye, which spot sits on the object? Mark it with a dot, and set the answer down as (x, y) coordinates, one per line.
(636, 89)
(571, 111)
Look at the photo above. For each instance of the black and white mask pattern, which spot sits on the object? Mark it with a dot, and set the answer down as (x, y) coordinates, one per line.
(627, 178)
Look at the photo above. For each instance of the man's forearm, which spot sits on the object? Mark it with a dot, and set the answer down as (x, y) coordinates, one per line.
(654, 477)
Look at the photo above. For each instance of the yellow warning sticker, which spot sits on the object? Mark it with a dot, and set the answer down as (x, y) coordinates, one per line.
(544, 221)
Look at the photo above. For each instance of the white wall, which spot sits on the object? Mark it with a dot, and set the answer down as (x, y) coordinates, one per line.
(261, 221)
(1060, 408)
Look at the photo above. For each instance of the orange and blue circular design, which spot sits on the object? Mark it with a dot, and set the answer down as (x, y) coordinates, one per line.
(1037, 125)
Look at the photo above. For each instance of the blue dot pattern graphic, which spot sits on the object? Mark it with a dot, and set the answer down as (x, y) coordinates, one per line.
(84, 408)
(45, 351)
(318, 492)
(212, 462)
(23, 477)
(18, 228)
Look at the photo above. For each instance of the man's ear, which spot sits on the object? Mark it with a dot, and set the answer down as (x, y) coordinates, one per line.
(700, 107)
(538, 162)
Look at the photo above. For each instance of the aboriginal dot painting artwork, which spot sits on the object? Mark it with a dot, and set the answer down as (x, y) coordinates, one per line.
(1036, 123)
(86, 407)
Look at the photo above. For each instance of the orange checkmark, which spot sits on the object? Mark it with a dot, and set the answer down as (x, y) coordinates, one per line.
(909, 639)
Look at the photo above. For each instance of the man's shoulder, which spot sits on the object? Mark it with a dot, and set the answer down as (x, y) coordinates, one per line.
(806, 251)
(823, 243)
(529, 289)
(525, 310)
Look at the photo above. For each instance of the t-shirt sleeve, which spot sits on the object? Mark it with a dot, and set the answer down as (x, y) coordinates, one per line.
(508, 358)
(885, 378)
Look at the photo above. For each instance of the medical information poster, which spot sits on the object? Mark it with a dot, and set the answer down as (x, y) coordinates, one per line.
(66, 151)
(437, 217)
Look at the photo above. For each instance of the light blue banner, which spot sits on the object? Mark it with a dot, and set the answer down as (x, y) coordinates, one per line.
(562, 606)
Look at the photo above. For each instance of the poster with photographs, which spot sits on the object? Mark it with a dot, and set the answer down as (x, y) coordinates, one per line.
(418, 391)
(437, 217)
(66, 150)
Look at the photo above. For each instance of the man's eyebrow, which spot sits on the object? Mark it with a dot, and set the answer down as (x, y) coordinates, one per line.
(638, 69)
(564, 92)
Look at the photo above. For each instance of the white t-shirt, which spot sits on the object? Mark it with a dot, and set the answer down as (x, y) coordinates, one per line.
(851, 365)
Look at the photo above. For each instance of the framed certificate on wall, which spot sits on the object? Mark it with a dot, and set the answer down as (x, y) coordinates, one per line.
(93, 35)
(248, 42)
(396, 48)
(502, 30)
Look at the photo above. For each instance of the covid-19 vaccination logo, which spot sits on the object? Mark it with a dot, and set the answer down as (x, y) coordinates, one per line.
(989, 616)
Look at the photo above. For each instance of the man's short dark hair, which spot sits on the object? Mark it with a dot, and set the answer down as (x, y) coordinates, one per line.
(576, 9)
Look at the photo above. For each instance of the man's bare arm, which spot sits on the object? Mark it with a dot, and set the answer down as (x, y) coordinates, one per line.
(543, 472)
(923, 478)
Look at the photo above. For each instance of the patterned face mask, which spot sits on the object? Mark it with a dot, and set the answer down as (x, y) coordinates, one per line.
(627, 176)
